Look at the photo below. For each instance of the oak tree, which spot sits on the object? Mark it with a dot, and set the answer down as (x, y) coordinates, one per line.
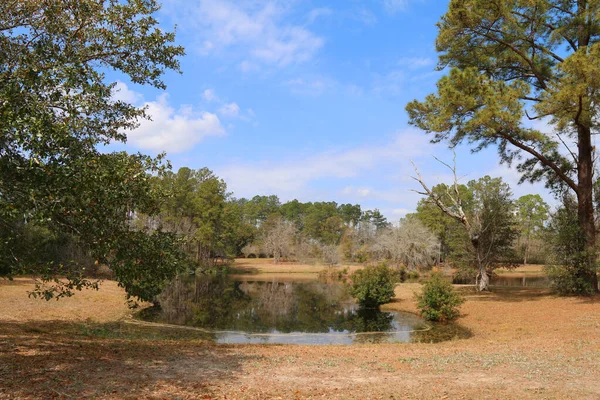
(56, 112)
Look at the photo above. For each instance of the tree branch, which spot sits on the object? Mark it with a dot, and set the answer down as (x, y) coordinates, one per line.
(544, 160)
(459, 215)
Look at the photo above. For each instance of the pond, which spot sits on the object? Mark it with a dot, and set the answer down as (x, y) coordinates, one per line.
(286, 312)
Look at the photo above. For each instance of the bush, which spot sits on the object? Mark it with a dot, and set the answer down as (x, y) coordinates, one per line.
(402, 274)
(570, 280)
(413, 275)
(439, 301)
(373, 285)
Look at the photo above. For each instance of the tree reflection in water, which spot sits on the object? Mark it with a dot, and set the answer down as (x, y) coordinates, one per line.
(215, 302)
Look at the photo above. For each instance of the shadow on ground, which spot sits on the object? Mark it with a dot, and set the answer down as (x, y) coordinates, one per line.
(69, 360)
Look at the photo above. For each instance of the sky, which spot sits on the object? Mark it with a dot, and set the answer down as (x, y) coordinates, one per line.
(306, 100)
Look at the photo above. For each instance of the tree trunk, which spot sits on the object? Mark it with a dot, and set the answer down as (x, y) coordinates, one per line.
(585, 165)
(483, 283)
(585, 202)
(483, 280)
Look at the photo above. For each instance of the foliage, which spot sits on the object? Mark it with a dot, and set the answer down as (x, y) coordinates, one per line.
(493, 220)
(376, 218)
(373, 285)
(532, 214)
(570, 275)
(451, 235)
(486, 215)
(199, 210)
(511, 62)
(439, 301)
(413, 275)
(259, 208)
(56, 108)
(320, 226)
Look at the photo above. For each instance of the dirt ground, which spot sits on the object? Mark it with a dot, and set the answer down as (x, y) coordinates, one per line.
(525, 344)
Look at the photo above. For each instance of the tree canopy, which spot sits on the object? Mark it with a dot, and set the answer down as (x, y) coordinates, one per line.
(514, 61)
(485, 210)
(56, 111)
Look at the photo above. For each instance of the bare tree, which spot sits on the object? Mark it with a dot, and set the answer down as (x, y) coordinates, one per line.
(278, 238)
(357, 240)
(330, 254)
(489, 225)
(251, 249)
(411, 243)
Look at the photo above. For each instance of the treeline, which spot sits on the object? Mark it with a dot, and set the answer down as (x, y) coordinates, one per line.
(185, 220)
(216, 226)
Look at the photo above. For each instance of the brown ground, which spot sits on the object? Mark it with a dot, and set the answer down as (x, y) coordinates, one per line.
(266, 265)
(526, 344)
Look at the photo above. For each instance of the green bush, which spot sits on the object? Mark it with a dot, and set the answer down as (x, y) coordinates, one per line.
(439, 301)
(570, 280)
(373, 285)
(413, 275)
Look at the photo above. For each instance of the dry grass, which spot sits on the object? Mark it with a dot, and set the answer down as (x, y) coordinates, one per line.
(529, 269)
(266, 265)
(106, 305)
(526, 344)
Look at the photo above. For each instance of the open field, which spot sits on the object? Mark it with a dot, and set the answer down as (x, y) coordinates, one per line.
(526, 344)
(529, 269)
(266, 265)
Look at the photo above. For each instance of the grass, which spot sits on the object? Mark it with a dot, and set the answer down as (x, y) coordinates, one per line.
(524, 344)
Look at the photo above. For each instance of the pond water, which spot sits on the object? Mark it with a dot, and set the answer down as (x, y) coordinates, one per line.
(252, 311)
(532, 281)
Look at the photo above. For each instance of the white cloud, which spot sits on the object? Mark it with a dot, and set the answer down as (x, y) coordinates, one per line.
(173, 130)
(400, 212)
(247, 66)
(122, 93)
(365, 16)
(394, 6)
(393, 83)
(230, 110)
(291, 178)
(354, 191)
(318, 12)
(249, 28)
(416, 62)
(313, 87)
(210, 96)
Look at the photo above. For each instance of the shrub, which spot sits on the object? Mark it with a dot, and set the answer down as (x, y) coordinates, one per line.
(413, 275)
(570, 280)
(373, 285)
(402, 274)
(439, 301)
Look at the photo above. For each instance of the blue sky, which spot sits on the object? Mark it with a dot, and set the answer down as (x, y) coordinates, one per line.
(304, 99)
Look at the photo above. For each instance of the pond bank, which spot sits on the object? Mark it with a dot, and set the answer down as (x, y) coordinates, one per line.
(526, 344)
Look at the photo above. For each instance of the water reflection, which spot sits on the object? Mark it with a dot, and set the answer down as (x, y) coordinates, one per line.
(510, 281)
(280, 312)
